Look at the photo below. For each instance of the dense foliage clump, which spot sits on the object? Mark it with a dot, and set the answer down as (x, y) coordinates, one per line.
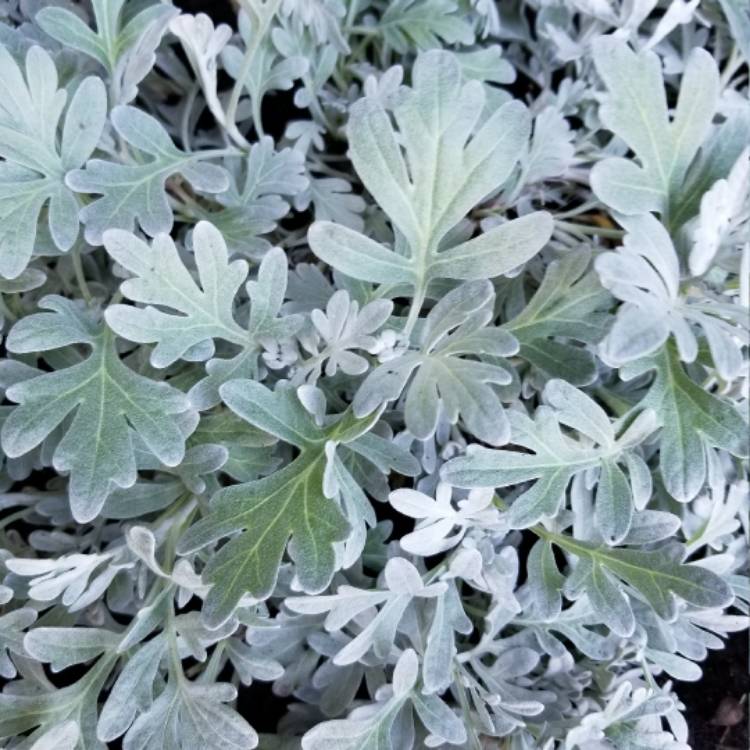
(389, 355)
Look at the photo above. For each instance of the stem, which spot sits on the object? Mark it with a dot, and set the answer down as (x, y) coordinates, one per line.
(257, 119)
(211, 672)
(363, 30)
(175, 663)
(17, 516)
(351, 13)
(186, 112)
(734, 61)
(577, 210)
(268, 12)
(648, 675)
(695, 538)
(214, 153)
(416, 308)
(588, 229)
(75, 257)
(6, 312)
(315, 107)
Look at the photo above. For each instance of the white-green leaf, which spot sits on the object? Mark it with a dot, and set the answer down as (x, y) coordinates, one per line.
(555, 460)
(428, 176)
(636, 111)
(658, 576)
(569, 305)
(423, 24)
(63, 647)
(115, 34)
(109, 400)
(161, 278)
(135, 192)
(289, 504)
(37, 157)
(260, 188)
(692, 419)
(439, 378)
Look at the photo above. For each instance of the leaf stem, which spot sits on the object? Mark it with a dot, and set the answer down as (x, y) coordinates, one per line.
(416, 307)
(589, 229)
(363, 30)
(186, 112)
(6, 312)
(75, 257)
(263, 20)
(734, 61)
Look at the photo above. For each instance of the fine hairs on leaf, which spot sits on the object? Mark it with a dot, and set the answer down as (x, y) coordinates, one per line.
(374, 374)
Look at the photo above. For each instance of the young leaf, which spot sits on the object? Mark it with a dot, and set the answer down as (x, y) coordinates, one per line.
(379, 730)
(724, 216)
(256, 199)
(260, 67)
(342, 328)
(374, 732)
(645, 274)
(202, 44)
(439, 379)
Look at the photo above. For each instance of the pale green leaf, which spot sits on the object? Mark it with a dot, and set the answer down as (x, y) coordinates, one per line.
(692, 419)
(63, 647)
(429, 175)
(636, 110)
(36, 159)
(161, 278)
(109, 400)
(658, 576)
(135, 192)
(289, 504)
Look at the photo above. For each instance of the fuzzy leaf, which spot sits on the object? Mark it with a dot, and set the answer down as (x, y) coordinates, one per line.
(692, 419)
(115, 35)
(257, 196)
(36, 158)
(568, 304)
(437, 122)
(423, 24)
(555, 461)
(636, 110)
(438, 378)
(135, 193)
(161, 278)
(288, 504)
(658, 576)
(110, 401)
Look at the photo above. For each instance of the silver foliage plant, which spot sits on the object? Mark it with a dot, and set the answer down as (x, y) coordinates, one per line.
(389, 355)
